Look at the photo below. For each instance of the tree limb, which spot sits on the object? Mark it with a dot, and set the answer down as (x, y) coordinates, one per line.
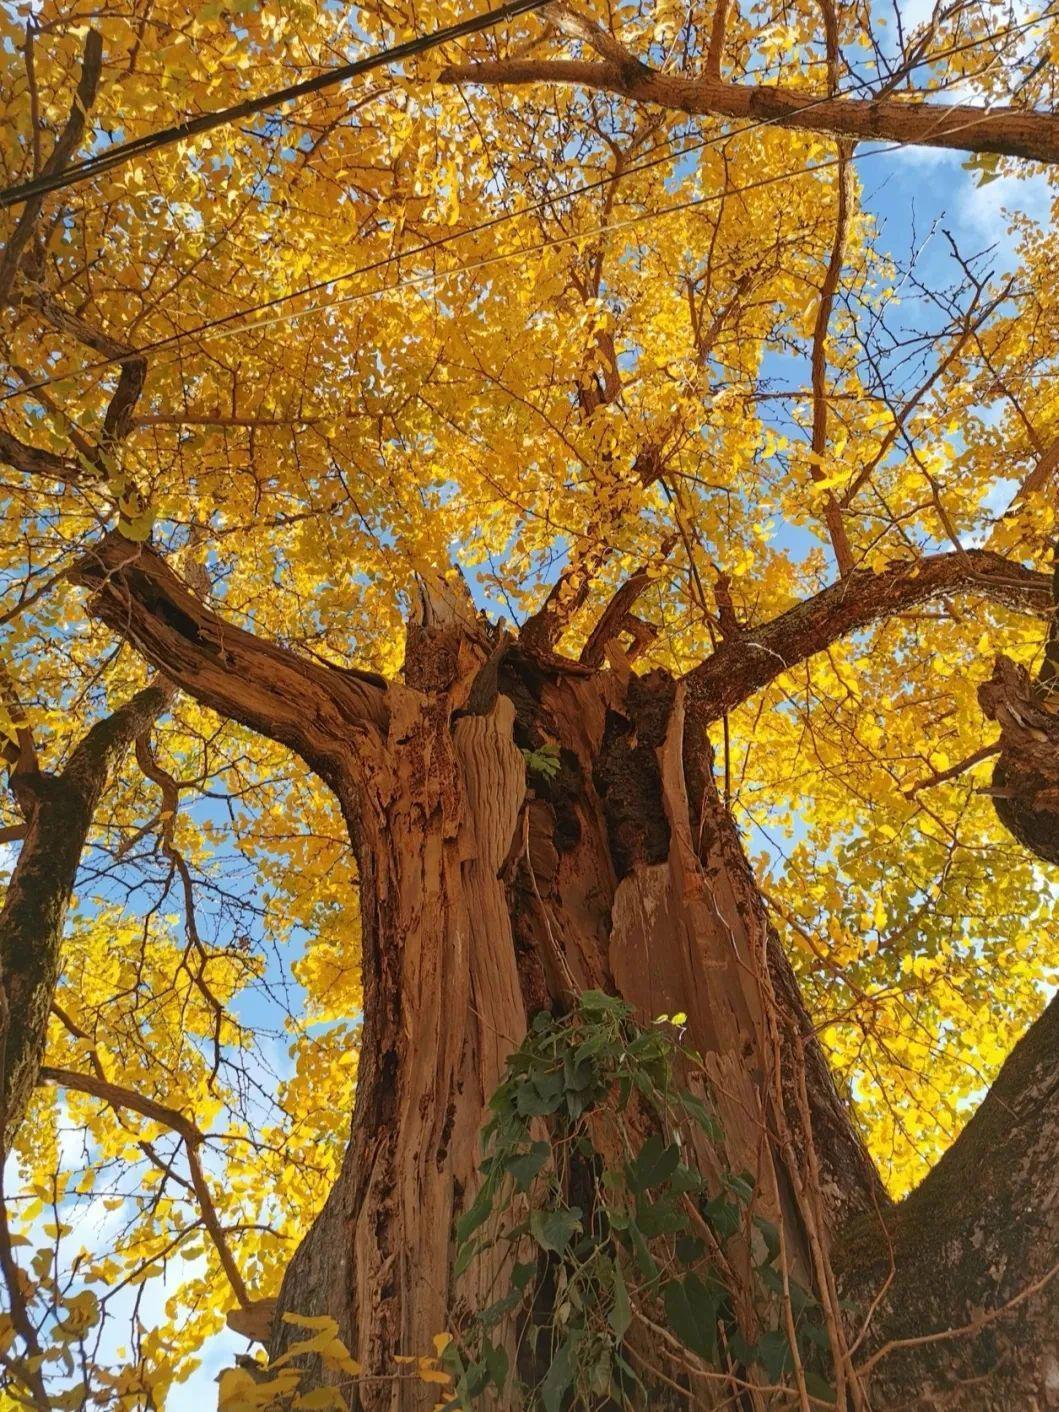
(305, 705)
(69, 138)
(59, 809)
(743, 665)
(191, 1135)
(615, 617)
(32, 461)
(836, 527)
(1012, 132)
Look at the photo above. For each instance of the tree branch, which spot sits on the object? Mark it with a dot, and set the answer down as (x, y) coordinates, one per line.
(118, 420)
(1012, 132)
(69, 138)
(59, 809)
(191, 1135)
(836, 527)
(32, 461)
(305, 705)
(615, 617)
(743, 665)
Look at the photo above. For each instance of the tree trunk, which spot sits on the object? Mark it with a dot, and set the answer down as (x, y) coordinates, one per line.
(961, 1284)
(527, 828)
(491, 891)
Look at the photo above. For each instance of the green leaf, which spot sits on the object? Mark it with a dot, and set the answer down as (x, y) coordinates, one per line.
(724, 1216)
(476, 1214)
(540, 1096)
(641, 1254)
(496, 1361)
(544, 761)
(465, 1254)
(690, 1249)
(652, 1165)
(523, 1273)
(696, 1109)
(597, 1002)
(578, 1075)
(741, 1185)
(691, 1309)
(525, 1166)
(496, 1311)
(561, 1373)
(818, 1387)
(552, 1230)
(773, 1352)
(685, 1179)
(770, 1235)
(660, 1217)
(620, 1316)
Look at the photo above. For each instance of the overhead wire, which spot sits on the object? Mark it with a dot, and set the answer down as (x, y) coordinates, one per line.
(222, 327)
(120, 153)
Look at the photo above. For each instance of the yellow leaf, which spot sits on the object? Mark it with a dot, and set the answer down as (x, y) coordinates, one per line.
(322, 1399)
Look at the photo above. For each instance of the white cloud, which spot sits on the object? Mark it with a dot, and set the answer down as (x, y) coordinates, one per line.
(985, 212)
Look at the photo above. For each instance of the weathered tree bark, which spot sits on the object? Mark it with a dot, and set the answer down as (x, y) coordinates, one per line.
(1026, 775)
(58, 809)
(912, 120)
(959, 1287)
(490, 891)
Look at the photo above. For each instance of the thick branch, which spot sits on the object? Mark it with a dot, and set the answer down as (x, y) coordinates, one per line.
(1012, 132)
(615, 618)
(118, 421)
(34, 462)
(570, 592)
(59, 811)
(743, 665)
(1044, 469)
(310, 707)
(1025, 785)
(832, 513)
(967, 1266)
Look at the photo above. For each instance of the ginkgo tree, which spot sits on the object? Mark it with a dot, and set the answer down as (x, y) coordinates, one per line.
(524, 856)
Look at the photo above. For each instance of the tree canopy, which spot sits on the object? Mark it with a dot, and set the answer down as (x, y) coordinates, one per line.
(603, 295)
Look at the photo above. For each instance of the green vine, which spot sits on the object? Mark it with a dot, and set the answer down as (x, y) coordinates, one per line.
(602, 1232)
(544, 761)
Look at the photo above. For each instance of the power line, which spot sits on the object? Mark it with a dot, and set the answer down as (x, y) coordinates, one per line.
(431, 276)
(212, 331)
(427, 247)
(121, 153)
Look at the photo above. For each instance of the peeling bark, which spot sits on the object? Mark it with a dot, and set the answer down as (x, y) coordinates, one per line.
(1025, 785)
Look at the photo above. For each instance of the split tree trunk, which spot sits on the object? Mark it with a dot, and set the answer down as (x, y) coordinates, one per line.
(491, 890)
